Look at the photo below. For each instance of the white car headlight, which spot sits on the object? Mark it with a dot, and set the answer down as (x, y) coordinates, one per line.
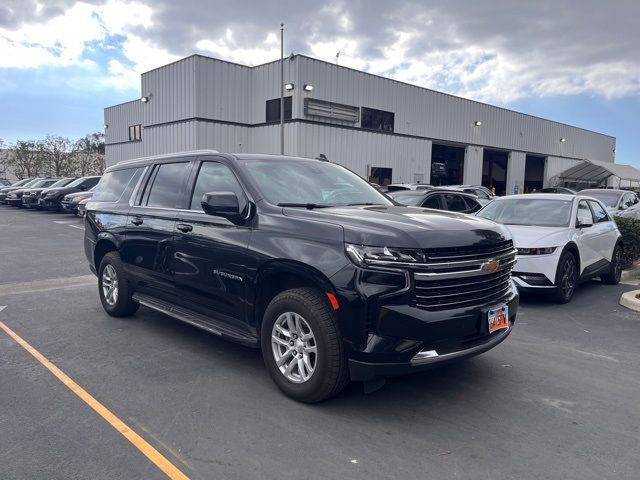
(365, 256)
(537, 251)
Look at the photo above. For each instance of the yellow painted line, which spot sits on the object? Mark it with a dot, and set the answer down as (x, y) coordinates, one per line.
(140, 443)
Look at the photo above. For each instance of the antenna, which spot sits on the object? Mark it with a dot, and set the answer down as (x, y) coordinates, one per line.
(337, 56)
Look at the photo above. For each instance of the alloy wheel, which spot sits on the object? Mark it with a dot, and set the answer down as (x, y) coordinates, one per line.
(568, 280)
(294, 347)
(110, 285)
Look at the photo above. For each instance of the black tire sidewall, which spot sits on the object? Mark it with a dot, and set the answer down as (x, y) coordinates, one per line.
(124, 305)
(289, 301)
(560, 296)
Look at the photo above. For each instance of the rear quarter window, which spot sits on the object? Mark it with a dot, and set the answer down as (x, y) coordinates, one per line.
(112, 185)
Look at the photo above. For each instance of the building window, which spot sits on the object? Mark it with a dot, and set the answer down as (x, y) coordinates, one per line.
(376, 119)
(273, 109)
(135, 132)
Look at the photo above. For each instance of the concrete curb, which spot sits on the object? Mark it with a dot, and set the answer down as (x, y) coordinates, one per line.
(632, 273)
(631, 300)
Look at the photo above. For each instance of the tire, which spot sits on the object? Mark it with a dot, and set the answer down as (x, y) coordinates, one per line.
(118, 302)
(329, 374)
(566, 277)
(612, 277)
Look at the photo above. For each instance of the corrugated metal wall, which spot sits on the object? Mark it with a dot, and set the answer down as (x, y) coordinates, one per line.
(118, 118)
(436, 115)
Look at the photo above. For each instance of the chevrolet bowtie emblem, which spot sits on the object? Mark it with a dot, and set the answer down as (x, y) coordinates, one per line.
(490, 266)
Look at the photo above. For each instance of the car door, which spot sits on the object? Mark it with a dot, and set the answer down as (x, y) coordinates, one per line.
(210, 257)
(606, 229)
(146, 249)
(587, 238)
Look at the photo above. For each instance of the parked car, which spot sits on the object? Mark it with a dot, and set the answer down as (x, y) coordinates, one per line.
(556, 190)
(616, 201)
(31, 196)
(331, 287)
(52, 198)
(4, 182)
(70, 202)
(561, 239)
(484, 194)
(82, 207)
(441, 199)
(14, 197)
(408, 186)
(480, 194)
(25, 182)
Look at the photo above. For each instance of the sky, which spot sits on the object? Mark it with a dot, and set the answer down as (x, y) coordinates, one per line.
(573, 61)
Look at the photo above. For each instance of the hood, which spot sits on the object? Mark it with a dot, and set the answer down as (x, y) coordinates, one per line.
(525, 236)
(406, 227)
(75, 195)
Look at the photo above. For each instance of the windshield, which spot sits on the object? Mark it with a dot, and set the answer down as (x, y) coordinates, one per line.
(529, 211)
(407, 199)
(610, 199)
(19, 183)
(62, 182)
(301, 182)
(41, 183)
(77, 182)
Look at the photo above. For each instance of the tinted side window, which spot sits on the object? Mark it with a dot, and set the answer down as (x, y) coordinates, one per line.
(90, 182)
(480, 194)
(599, 213)
(113, 184)
(455, 203)
(584, 213)
(214, 177)
(432, 202)
(167, 185)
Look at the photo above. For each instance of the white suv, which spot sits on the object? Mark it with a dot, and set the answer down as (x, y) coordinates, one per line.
(561, 240)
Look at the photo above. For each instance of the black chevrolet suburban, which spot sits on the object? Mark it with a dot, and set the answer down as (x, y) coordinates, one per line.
(303, 259)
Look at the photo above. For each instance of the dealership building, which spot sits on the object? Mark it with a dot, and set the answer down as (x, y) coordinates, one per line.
(384, 130)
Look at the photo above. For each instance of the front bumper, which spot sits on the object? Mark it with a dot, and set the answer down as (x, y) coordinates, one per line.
(533, 272)
(406, 339)
(29, 201)
(49, 203)
(14, 201)
(69, 207)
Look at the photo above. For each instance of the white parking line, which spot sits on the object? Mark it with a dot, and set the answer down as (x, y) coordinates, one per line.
(64, 222)
(45, 285)
(79, 227)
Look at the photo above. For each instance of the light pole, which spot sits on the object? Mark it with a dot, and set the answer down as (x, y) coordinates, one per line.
(282, 89)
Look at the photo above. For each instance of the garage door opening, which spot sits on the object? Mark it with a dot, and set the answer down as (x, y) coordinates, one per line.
(446, 165)
(494, 170)
(533, 173)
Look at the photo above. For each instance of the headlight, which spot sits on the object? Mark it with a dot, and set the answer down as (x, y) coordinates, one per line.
(365, 256)
(536, 251)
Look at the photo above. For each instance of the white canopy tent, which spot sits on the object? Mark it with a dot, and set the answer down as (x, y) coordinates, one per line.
(596, 173)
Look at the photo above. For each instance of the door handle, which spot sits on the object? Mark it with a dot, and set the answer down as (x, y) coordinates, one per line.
(137, 221)
(184, 228)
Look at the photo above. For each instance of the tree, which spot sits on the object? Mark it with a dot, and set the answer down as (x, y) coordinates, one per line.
(58, 155)
(27, 158)
(3, 159)
(89, 154)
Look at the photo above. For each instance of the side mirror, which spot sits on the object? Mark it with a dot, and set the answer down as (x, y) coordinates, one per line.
(224, 204)
(584, 223)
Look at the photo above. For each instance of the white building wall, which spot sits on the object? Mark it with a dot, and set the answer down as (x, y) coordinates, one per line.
(554, 165)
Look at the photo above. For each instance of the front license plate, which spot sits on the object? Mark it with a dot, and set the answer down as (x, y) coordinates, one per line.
(498, 318)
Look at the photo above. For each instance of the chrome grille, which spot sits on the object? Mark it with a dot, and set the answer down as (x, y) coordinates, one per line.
(459, 277)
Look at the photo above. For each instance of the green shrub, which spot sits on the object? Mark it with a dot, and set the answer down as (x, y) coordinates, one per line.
(630, 230)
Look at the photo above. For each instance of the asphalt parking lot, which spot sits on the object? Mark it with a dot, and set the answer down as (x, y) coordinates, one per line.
(558, 400)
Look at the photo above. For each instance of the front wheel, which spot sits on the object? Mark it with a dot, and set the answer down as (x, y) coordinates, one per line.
(566, 278)
(612, 277)
(302, 346)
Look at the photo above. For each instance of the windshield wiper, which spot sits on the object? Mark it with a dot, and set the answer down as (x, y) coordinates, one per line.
(308, 206)
(365, 203)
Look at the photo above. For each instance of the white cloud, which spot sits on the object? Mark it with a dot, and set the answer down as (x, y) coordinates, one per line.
(227, 47)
